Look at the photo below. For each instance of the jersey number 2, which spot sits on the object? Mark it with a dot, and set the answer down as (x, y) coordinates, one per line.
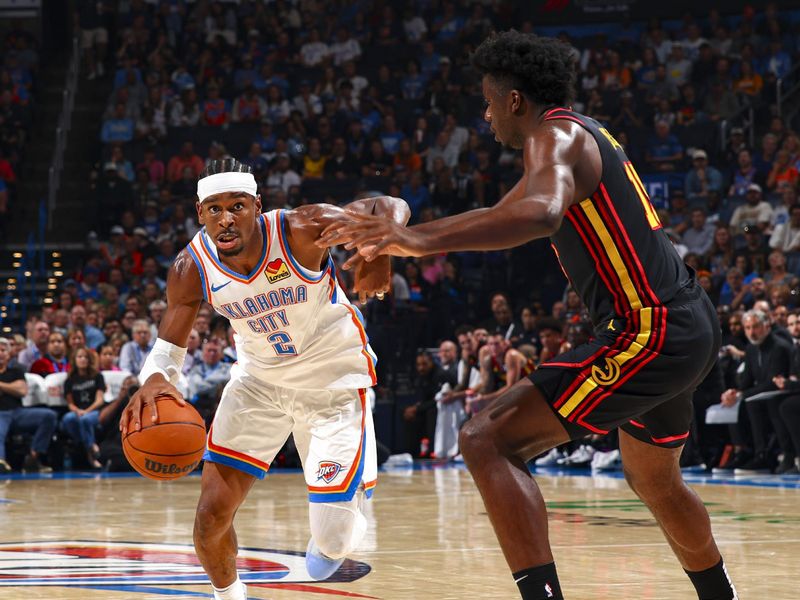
(280, 343)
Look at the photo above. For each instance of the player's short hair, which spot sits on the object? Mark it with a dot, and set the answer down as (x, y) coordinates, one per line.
(225, 165)
(541, 68)
(552, 324)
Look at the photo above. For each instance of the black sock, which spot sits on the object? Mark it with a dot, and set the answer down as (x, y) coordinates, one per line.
(539, 583)
(713, 583)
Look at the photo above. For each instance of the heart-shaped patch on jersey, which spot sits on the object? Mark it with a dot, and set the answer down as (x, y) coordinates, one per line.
(277, 270)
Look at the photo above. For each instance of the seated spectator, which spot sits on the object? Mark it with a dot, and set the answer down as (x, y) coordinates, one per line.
(91, 335)
(281, 175)
(702, 179)
(786, 236)
(248, 107)
(788, 198)
(185, 158)
(15, 417)
(193, 353)
(420, 417)
(185, 112)
(345, 48)
(307, 102)
(777, 273)
(416, 193)
(314, 161)
(763, 160)
(134, 353)
(664, 151)
(107, 359)
(679, 216)
(111, 455)
(215, 110)
(450, 413)
(756, 212)
(783, 170)
(699, 238)
(744, 175)
(36, 347)
(735, 292)
(441, 149)
(749, 82)
(551, 334)
(83, 390)
(119, 128)
(721, 103)
(766, 358)
(340, 165)
(501, 366)
(207, 378)
(314, 52)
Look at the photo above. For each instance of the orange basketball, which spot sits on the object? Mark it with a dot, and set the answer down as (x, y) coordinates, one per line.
(170, 448)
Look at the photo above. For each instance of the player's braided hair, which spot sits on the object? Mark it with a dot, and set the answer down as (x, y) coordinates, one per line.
(225, 165)
(543, 69)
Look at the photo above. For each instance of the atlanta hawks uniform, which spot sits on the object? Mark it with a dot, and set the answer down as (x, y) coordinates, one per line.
(656, 332)
(304, 364)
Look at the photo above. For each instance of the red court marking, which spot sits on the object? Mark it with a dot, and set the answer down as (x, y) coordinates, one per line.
(299, 587)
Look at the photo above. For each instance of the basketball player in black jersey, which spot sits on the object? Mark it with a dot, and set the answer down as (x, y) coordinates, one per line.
(656, 332)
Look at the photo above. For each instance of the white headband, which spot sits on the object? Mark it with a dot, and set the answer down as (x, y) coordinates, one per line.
(226, 182)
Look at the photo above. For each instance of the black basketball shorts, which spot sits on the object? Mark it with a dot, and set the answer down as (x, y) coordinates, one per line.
(639, 373)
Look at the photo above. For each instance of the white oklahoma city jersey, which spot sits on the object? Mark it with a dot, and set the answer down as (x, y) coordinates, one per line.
(293, 327)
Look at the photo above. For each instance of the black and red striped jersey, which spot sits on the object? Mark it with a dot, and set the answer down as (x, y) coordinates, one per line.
(611, 246)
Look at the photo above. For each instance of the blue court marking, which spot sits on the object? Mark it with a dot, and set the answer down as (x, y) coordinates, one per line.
(791, 482)
(141, 589)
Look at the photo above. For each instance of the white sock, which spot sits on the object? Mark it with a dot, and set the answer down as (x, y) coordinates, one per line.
(235, 591)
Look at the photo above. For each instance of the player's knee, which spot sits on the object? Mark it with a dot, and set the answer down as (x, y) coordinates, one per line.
(651, 486)
(337, 527)
(474, 440)
(213, 516)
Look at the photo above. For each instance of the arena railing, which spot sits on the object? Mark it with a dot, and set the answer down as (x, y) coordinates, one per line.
(62, 130)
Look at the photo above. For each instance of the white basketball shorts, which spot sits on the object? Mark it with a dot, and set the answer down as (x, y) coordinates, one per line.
(332, 430)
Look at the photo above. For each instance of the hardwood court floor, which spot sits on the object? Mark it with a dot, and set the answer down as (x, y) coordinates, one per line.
(429, 538)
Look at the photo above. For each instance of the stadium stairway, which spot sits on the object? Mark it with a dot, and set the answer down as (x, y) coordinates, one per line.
(30, 273)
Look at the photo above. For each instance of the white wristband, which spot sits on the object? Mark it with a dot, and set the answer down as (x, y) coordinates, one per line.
(164, 358)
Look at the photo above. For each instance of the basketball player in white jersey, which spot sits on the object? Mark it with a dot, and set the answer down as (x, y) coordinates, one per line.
(304, 364)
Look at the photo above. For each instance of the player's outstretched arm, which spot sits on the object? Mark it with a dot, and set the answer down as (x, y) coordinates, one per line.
(307, 223)
(163, 365)
(532, 209)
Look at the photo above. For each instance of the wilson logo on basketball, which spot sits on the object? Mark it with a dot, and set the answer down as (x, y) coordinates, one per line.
(328, 470)
(139, 567)
(276, 270)
(171, 469)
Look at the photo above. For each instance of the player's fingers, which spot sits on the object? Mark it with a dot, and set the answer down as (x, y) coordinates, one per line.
(353, 262)
(372, 252)
(153, 411)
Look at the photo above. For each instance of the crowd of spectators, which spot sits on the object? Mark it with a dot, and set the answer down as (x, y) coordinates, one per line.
(19, 62)
(326, 101)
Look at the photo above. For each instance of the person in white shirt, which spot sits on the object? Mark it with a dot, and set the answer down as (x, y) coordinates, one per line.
(755, 211)
(282, 176)
(314, 52)
(786, 236)
(345, 48)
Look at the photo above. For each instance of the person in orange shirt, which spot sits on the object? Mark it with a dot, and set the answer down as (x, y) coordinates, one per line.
(186, 158)
(408, 159)
(616, 75)
(782, 170)
(750, 82)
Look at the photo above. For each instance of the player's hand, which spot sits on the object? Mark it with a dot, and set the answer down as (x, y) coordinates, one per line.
(372, 278)
(373, 236)
(143, 403)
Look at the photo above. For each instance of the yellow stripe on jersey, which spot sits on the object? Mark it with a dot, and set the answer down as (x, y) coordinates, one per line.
(612, 252)
(634, 348)
(649, 210)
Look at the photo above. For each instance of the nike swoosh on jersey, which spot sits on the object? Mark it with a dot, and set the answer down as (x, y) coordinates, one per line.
(216, 288)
